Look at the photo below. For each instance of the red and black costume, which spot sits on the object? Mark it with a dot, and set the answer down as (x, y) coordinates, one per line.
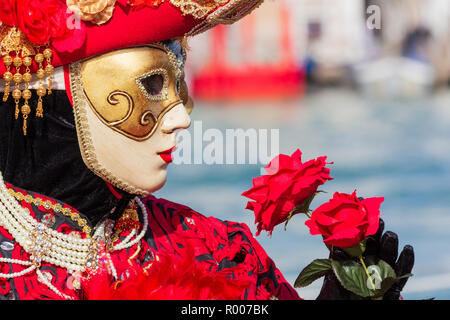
(217, 246)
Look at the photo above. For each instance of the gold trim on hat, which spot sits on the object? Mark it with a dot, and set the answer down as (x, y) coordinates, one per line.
(229, 13)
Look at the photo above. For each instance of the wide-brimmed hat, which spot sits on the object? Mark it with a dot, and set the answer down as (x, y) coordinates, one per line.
(77, 29)
(38, 35)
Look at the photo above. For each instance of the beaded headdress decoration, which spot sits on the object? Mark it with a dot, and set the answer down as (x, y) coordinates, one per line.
(18, 54)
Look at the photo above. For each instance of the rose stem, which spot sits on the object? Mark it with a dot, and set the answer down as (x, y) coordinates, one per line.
(367, 273)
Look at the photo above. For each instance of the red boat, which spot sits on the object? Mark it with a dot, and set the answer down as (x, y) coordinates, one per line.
(223, 80)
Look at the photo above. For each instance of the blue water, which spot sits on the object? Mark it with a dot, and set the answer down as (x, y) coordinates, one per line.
(398, 149)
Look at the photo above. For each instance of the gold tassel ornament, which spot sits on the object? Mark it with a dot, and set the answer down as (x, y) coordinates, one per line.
(41, 92)
(7, 76)
(49, 68)
(17, 94)
(17, 78)
(26, 94)
(17, 54)
(26, 110)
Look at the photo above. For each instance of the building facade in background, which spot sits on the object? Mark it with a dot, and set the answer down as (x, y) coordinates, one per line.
(327, 41)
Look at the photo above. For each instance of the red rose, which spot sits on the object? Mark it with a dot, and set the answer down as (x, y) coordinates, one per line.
(7, 15)
(41, 20)
(32, 19)
(59, 21)
(71, 34)
(345, 221)
(288, 184)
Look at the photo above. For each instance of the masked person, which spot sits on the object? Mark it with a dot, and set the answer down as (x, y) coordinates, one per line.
(93, 97)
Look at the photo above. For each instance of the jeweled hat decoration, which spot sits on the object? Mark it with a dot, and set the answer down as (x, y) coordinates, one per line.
(18, 54)
(38, 35)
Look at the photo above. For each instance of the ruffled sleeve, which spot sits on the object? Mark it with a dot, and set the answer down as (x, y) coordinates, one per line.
(221, 246)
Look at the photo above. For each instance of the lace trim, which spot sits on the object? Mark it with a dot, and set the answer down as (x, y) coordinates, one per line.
(229, 13)
(198, 9)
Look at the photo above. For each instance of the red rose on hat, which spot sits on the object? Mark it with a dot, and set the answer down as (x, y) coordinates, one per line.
(39, 20)
(289, 183)
(345, 221)
(7, 12)
(32, 17)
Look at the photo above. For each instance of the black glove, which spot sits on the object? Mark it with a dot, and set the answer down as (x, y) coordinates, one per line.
(383, 246)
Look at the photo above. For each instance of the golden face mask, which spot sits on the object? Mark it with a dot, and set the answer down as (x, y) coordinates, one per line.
(119, 102)
(130, 90)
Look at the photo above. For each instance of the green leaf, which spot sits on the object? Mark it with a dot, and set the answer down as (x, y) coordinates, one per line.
(315, 270)
(354, 278)
(386, 274)
(357, 250)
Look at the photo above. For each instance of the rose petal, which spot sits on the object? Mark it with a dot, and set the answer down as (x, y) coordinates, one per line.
(266, 218)
(329, 206)
(373, 216)
(297, 160)
(279, 184)
(260, 181)
(325, 220)
(72, 43)
(257, 193)
(313, 229)
(280, 162)
(344, 238)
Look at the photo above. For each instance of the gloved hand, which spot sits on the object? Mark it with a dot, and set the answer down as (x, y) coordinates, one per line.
(385, 247)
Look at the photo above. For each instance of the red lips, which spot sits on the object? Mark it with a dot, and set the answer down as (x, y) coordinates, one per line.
(167, 155)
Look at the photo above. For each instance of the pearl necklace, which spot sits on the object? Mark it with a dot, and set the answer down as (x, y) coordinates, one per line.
(56, 208)
(47, 245)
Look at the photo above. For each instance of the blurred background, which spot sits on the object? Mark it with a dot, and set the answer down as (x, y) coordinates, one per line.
(366, 83)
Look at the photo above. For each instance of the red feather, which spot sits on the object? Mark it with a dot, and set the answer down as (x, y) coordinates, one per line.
(168, 277)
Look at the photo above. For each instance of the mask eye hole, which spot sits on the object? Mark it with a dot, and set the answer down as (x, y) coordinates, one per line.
(153, 84)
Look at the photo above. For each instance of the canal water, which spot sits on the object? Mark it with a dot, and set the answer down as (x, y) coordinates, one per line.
(397, 149)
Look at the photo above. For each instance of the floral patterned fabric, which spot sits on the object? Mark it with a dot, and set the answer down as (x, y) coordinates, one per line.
(218, 245)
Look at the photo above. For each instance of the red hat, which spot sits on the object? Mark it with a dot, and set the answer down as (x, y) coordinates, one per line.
(77, 29)
(38, 35)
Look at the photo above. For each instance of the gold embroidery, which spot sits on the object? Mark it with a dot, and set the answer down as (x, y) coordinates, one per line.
(229, 13)
(198, 8)
(127, 222)
(233, 11)
(55, 207)
(13, 40)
